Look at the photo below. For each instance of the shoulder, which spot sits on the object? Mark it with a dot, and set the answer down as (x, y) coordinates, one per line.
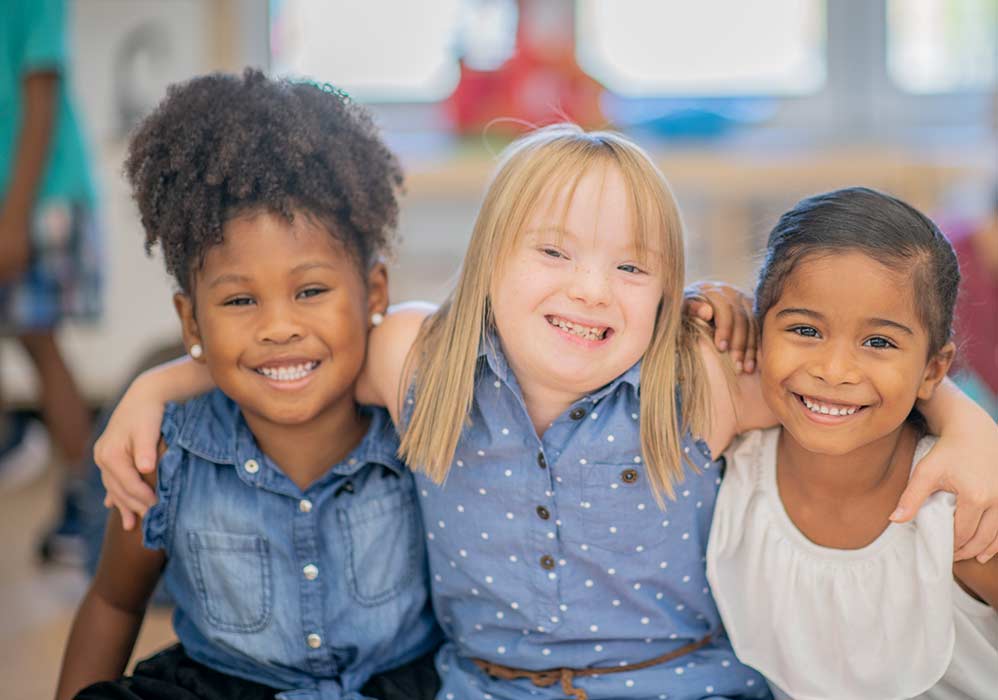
(382, 379)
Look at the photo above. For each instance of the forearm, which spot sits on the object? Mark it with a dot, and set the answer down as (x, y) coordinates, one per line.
(34, 139)
(100, 644)
(177, 380)
(950, 411)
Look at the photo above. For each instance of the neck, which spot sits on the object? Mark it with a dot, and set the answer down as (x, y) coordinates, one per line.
(837, 479)
(306, 451)
(544, 404)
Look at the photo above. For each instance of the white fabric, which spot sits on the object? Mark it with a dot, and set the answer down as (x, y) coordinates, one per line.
(881, 622)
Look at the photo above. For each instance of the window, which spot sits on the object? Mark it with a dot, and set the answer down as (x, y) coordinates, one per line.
(940, 46)
(376, 50)
(649, 48)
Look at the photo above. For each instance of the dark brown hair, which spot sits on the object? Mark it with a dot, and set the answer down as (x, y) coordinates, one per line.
(219, 146)
(883, 227)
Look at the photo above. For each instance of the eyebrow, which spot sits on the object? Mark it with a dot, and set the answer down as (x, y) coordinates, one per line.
(821, 317)
(235, 278)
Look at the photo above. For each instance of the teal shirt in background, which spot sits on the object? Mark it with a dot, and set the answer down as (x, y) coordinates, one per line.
(33, 38)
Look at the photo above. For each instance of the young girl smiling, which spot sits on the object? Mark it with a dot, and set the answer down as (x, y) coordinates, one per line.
(286, 529)
(856, 296)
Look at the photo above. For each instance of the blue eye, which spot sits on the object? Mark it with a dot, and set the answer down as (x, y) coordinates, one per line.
(238, 301)
(632, 269)
(552, 253)
(879, 342)
(805, 331)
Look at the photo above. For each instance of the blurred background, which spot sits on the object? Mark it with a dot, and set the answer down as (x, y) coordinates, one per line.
(746, 107)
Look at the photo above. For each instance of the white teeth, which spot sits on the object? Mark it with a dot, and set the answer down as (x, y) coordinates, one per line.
(586, 332)
(289, 373)
(815, 407)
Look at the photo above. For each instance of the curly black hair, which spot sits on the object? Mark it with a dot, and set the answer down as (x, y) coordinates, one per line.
(223, 145)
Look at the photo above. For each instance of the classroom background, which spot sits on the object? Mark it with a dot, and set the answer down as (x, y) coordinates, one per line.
(747, 107)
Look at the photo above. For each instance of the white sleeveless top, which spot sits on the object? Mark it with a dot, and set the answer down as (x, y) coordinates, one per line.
(881, 622)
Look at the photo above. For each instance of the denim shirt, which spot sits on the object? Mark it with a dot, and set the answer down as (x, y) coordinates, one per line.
(312, 591)
(552, 552)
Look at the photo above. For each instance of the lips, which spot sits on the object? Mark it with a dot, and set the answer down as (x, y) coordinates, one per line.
(581, 330)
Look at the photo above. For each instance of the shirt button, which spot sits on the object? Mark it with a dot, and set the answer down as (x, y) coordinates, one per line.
(547, 562)
(251, 466)
(305, 505)
(311, 572)
(314, 640)
(543, 513)
(577, 413)
(629, 476)
(541, 462)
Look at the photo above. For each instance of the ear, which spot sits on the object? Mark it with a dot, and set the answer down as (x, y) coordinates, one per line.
(377, 289)
(188, 324)
(936, 370)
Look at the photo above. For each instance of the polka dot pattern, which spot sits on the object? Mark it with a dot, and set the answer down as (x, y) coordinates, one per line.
(607, 578)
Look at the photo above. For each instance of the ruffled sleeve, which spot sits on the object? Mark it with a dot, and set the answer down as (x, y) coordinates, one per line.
(157, 525)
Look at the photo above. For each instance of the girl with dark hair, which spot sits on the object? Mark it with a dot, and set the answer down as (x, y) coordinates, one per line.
(287, 530)
(855, 299)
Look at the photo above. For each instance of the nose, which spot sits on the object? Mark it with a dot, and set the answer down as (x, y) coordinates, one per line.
(589, 284)
(279, 324)
(835, 363)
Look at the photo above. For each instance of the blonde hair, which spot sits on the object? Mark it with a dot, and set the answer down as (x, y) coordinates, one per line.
(444, 358)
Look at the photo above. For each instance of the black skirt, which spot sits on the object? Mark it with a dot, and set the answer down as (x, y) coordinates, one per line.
(172, 675)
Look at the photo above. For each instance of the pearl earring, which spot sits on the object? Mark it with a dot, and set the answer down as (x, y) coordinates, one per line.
(196, 351)
(377, 318)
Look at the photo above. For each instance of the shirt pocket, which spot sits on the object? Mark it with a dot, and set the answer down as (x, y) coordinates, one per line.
(384, 546)
(619, 512)
(232, 574)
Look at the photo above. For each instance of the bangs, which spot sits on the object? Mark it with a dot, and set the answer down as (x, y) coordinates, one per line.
(557, 184)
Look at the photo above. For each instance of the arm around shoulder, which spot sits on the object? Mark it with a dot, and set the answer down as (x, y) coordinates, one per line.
(383, 379)
(736, 401)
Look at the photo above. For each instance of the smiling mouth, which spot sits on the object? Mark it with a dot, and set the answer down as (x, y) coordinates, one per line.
(826, 408)
(579, 330)
(288, 373)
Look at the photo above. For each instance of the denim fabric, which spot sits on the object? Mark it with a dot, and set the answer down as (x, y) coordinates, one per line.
(552, 552)
(313, 591)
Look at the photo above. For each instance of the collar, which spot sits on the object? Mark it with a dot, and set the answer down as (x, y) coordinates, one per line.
(214, 429)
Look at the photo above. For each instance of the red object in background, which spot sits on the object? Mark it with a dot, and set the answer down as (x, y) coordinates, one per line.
(539, 84)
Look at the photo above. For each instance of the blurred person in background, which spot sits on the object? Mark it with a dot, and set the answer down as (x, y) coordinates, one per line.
(49, 262)
(977, 309)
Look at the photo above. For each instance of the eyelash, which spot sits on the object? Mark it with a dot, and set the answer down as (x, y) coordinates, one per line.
(798, 330)
(553, 253)
(246, 300)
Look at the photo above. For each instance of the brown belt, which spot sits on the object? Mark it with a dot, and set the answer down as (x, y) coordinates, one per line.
(543, 679)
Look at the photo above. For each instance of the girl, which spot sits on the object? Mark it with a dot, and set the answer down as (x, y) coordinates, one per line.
(554, 570)
(857, 607)
(296, 561)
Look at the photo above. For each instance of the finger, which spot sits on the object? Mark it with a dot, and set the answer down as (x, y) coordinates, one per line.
(739, 335)
(982, 538)
(988, 553)
(108, 503)
(699, 308)
(722, 327)
(752, 341)
(127, 519)
(922, 484)
(121, 498)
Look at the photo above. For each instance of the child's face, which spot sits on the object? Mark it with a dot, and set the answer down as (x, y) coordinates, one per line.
(573, 305)
(281, 311)
(844, 354)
